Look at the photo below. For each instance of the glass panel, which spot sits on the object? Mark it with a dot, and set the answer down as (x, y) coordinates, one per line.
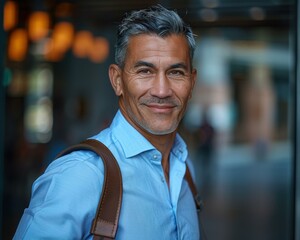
(238, 127)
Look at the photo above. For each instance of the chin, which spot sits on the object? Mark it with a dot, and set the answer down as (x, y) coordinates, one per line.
(161, 131)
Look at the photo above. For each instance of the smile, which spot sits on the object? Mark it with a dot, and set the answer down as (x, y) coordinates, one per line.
(161, 108)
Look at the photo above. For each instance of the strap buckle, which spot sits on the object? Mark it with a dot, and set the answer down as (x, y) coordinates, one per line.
(199, 203)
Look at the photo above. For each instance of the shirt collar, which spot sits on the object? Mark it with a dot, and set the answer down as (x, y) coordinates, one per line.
(132, 142)
(179, 148)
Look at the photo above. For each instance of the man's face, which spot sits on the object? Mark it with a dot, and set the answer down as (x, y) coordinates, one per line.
(156, 82)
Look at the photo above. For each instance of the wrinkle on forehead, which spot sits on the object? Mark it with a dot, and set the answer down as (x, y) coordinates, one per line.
(153, 48)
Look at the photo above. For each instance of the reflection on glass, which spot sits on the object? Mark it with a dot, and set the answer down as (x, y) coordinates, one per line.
(38, 114)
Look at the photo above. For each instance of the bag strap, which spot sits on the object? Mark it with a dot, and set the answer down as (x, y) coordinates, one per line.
(197, 199)
(106, 219)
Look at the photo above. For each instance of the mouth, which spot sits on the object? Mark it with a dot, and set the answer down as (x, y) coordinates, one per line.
(161, 108)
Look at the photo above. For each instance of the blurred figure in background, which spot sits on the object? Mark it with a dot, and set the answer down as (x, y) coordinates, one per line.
(205, 140)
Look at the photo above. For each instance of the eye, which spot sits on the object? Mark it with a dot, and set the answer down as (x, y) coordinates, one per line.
(144, 71)
(177, 72)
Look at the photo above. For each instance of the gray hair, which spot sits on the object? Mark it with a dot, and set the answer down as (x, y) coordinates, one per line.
(154, 20)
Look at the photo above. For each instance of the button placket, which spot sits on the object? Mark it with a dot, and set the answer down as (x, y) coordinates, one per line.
(156, 157)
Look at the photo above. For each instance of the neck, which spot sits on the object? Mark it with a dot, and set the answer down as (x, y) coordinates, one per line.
(163, 143)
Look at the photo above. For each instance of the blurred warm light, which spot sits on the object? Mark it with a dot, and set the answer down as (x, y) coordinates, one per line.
(10, 15)
(82, 43)
(51, 53)
(17, 45)
(63, 35)
(38, 25)
(60, 42)
(100, 50)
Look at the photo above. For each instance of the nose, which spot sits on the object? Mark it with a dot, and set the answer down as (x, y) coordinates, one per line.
(161, 86)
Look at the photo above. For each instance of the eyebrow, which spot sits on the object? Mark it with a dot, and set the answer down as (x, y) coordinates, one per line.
(179, 65)
(143, 63)
(148, 64)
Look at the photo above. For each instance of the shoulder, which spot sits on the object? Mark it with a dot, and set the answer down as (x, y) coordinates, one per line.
(79, 162)
(67, 195)
(77, 174)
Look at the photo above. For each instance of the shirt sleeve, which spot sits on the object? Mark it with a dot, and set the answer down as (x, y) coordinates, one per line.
(63, 203)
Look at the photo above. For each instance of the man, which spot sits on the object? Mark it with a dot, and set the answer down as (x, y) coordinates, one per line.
(153, 78)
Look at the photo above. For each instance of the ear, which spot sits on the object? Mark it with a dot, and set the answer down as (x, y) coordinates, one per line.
(193, 80)
(115, 76)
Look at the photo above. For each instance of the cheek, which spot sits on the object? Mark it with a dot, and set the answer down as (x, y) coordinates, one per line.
(184, 92)
(131, 93)
(136, 88)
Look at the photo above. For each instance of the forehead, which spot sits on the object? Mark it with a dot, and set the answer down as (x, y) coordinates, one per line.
(156, 48)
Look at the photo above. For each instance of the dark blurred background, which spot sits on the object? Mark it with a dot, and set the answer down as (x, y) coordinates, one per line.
(240, 125)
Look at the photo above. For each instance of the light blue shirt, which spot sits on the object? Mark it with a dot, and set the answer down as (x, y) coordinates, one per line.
(65, 198)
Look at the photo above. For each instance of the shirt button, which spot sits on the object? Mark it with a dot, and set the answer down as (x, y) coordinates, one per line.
(155, 156)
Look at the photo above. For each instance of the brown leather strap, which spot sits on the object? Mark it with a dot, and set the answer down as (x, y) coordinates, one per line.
(198, 201)
(106, 219)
